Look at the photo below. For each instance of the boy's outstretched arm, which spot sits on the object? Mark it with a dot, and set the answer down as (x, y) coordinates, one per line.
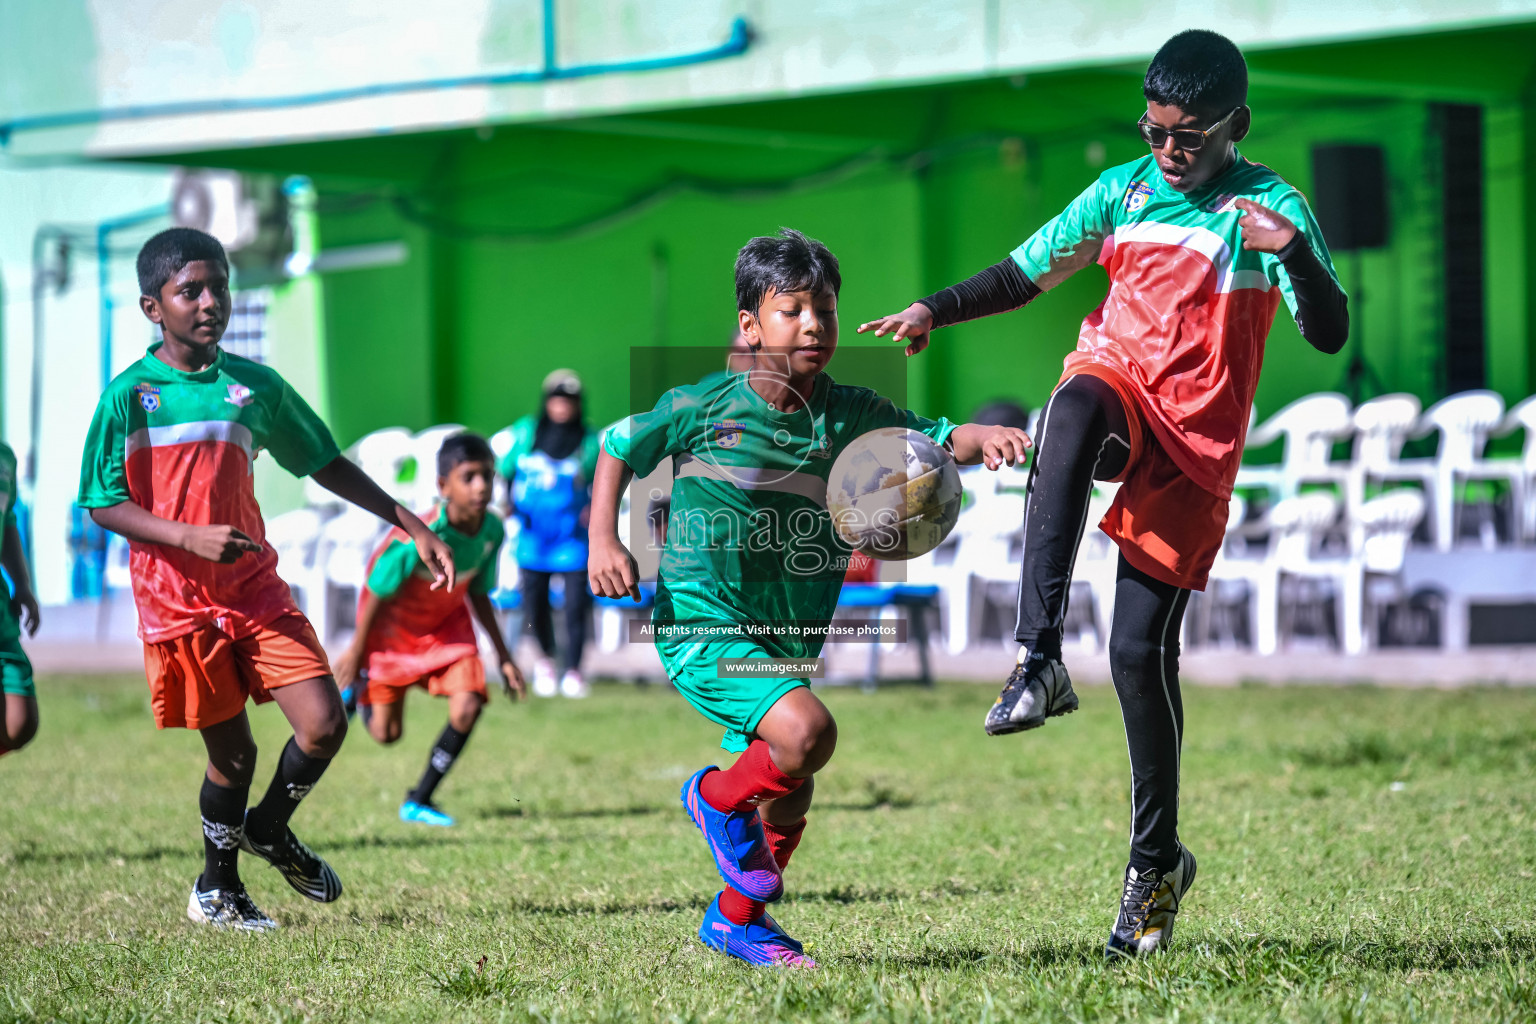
(345, 480)
(345, 667)
(611, 569)
(23, 602)
(222, 544)
(511, 677)
(992, 446)
(1001, 288)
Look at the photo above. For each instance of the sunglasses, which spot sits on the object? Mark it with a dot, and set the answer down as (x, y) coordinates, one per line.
(1187, 139)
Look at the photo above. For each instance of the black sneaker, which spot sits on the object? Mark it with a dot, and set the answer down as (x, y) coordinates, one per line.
(227, 908)
(1148, 905)
(1037, 689)
(310, 876)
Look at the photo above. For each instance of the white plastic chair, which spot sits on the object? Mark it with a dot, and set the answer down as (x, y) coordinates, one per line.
(1382, 426)
(1379, 534)
(346, 544)
(296, 538)
(1465, 422)
(383, 454)
(1296, 528)
(1523, 417)
(1310, 427)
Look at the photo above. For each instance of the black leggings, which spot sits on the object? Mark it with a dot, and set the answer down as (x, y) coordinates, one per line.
(537, 612)
(1083, 436)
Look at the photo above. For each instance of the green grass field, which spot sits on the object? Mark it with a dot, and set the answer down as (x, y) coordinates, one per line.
(1365, 855)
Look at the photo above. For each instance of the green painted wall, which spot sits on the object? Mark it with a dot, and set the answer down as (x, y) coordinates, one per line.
(912, 188)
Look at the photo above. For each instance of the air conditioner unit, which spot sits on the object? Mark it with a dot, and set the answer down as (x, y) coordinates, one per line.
(247, 213)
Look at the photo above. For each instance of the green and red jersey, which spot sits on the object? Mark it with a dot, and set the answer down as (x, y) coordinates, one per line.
(182, 446)
(1188, 307)
(418, 630)
(10, 629)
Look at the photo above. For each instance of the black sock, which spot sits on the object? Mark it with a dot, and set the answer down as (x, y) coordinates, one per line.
(223, 809)
(296, 775)
(1044, 645)
(444, 752)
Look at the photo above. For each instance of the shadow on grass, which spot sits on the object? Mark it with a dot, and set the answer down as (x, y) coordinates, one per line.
(1050, 954)
(28, 853)
(632, 811)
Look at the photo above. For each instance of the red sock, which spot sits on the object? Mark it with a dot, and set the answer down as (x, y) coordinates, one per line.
(783, 840)
(751, 780)
(739, 909)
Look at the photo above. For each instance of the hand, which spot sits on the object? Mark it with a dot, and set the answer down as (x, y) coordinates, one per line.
(512, 680)
(222, 544)
(344, 667)
(611, 570)
(1004, 445)
(434, 554)
(1263, 228)
(911, 325)
(24, 609)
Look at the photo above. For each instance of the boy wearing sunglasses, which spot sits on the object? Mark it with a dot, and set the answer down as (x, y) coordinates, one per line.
(1201, 246)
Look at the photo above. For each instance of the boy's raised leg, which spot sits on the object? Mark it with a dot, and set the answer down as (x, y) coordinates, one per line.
(313, 707)
(1084, 434)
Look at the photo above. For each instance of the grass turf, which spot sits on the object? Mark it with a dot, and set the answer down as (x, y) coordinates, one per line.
(1364, 854)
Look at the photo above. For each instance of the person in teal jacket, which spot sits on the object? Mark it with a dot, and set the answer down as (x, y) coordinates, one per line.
(548, 471)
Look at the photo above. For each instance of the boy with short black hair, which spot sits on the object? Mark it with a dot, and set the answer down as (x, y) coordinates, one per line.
(168, 465)
(18, 696)
(750, 550)
(1201, 245)
(412, 634)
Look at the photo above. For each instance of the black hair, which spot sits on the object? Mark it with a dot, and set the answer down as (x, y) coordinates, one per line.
(785, 262)
(164, 255)
(1198, 71)
(460, 448)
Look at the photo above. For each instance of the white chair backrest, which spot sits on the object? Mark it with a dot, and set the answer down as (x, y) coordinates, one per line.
(1310, 426)
(501, 443)
(1464, 420)
(1382, 425)
(382, 455)
(1297, 525)
(1237, 511)
(294, 530)
(1523, 417)
(1384, 526)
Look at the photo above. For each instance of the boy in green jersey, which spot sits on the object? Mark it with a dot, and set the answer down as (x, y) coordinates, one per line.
(18, 710)
(752, 566)
(410, 634)
(168, 464)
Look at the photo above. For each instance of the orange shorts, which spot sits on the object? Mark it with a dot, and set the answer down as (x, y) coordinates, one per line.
(205, 677)
(467, 675)
(1165, 524)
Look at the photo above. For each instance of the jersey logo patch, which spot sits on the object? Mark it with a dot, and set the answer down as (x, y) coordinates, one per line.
(149, 396)
(727, 433)
(1221, 204)
(240, 395)
(823, 449)
(1137, 195)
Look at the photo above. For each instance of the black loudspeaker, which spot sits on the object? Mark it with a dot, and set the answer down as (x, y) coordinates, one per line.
(1349, 196)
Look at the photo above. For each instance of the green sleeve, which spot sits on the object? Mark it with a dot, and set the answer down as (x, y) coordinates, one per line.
(522, 444)
(298, 440)
(393, 567)
(1293, 207)
(103, 470)
(643, 440)
(485, 580)
(1071, 241)
(877, 412)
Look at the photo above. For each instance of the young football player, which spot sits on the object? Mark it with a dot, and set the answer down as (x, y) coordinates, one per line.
(1201, 246)
(752, 569)
(412, 634)
(18, 705)
(168, 465)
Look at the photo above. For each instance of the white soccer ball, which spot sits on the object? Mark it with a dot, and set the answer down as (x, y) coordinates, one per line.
(894, 494)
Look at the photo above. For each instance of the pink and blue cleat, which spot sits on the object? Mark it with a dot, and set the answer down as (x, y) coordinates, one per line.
(761, 943)
(737, 842)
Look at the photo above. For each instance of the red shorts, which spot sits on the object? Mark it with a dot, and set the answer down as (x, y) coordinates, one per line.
(467, 675)
(205, 677)
(1165, 524)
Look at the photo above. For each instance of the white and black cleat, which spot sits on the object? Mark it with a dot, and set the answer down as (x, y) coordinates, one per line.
(1148, 906)
(1037, 689)
(310, 876)
(230, 909)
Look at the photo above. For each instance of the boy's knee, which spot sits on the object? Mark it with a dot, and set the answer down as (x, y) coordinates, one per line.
(806, 745)
(233, 766)
(323, 737)
(1135, 655)
(464, 718)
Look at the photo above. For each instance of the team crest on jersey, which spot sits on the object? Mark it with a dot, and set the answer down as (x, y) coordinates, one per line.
(1137, 195)
(240, 395)
(149, 396)
(727, 433)
(823, 449)
(1221, 204)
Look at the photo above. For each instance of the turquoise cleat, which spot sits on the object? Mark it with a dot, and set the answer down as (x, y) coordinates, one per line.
(414, 813)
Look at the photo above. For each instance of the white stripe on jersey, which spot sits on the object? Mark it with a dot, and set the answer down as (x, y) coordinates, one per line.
(227, 431)
(1202, 240)
(754, 478)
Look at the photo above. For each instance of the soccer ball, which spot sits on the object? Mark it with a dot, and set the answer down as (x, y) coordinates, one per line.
(894, 494)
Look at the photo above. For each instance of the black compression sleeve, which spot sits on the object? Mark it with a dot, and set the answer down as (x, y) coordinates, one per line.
(1322, 310)
(998, 289)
